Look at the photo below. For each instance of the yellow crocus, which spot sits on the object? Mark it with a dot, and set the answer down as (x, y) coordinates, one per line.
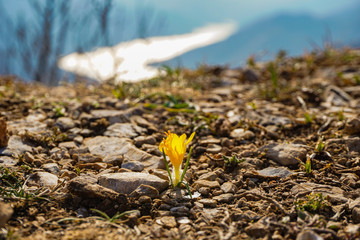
(175, 148)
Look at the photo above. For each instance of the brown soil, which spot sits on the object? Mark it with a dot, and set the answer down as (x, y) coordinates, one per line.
(309, 105)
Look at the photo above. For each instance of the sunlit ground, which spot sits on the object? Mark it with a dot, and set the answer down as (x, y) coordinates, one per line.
(130, 61)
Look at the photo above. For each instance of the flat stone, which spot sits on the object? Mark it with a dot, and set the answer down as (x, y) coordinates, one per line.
(64, 123)
(7, 161)
(285, 154)
(161, 173)
(116, 116)
(352, 229)
(88, 158)
(32, 124)
(15, 146)
(5, 213)
(353, 144)
(68, 145)
(140, 140)
(115, 160)
(257, 230)
(207, 202)
(113, 116)
(127, 182)
(4, 137)
(208, 141)
(113, 146)
(144, 199)
(228, 187)
(183, 220)
(241, 133)
(281, 172)
(206, 183)
(133, 166)
(213, 148)
(86, 187)
(168, 221)
(179, 209)
(308, 235)
(96, 165)
(224, 198)
(29, 158)
(210, 176)
(124, 130)
(145, 190)
(352, 126)
(142, 122)
(204, 191)
(43, 179)
(51, 167)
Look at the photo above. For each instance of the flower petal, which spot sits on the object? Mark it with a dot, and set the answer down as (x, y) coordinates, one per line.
(190, 138)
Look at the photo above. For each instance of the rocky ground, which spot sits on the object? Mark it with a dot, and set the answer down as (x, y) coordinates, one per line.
(276, 154)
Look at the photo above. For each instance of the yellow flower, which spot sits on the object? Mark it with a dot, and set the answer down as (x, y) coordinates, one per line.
(175, 148)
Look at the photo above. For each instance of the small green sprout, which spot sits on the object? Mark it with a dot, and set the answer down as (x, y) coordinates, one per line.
(308, 166)
(115, 218)
(341, 115)
(252, 105)
(59, 111)
(78, 170)
(320, 146)
(12, 186)
(314, 203)
(308, 118)
(232, 162)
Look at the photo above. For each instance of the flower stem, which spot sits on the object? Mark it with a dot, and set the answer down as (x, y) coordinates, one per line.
(186, 164)
(177, 175)
(167, 167)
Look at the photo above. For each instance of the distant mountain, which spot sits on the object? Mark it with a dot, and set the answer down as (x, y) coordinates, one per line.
(290, 32)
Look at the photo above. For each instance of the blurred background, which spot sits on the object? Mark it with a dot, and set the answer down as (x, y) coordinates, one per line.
(35, 33)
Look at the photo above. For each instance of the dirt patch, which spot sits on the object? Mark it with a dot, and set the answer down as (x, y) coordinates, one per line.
(276, 154)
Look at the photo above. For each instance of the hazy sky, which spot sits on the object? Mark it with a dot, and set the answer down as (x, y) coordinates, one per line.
(186, 14)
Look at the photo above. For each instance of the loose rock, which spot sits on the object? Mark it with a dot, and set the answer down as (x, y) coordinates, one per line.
(228, 187)
(208, 202)
(285, 154)
(133, 166)
(127, 182)
(224, 198)
(124, 130)
(16, 146)
(64, 123)
(205, 183)
(112, 146)
(281, 172)
(145, 190)
(51, 167)
(5, 213)
(308, 235)
(43, 179)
